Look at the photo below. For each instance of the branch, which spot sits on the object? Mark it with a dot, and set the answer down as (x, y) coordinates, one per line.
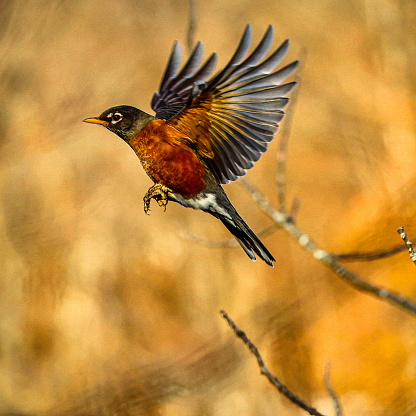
(284, 137)
(368, 255)
(408, 244)
(270, 229)
(191, 25)
(309, 245)
(264, 370)
(331, 392)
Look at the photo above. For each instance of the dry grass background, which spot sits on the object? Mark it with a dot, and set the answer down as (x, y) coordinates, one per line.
(105, 311)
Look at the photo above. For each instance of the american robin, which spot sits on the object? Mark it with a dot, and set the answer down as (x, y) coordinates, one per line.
(208, 132)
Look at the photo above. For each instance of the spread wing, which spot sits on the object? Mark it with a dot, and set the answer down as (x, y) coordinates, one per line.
(232, 117)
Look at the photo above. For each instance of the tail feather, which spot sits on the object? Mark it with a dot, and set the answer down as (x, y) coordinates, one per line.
(246, 238)
(217, 204)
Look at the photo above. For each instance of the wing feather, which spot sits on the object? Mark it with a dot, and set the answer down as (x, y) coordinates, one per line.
(230, 118)
(264, 68)
(173, 64)
(244, 154)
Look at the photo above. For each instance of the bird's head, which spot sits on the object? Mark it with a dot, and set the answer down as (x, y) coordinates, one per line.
(123, 120)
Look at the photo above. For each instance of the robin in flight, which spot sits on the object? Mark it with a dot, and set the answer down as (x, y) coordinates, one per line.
(208, 132)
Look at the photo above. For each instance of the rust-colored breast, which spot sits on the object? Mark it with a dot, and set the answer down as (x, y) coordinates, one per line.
(167, 158)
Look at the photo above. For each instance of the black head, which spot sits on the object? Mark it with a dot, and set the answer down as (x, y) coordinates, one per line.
(123, 120)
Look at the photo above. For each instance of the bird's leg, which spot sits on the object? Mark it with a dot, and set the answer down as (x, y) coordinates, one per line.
(157, 192)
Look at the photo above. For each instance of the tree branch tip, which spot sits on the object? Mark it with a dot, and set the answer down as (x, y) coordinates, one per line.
(408, 244)
(330, 390)
(320, 254)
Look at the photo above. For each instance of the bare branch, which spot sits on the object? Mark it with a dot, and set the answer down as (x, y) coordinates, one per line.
(264, 370)
(284, 137)
(345, 257)
(309, 245)
(331, 392)
(368, 255)
(294, 209)
(190, 35)
(408, 244)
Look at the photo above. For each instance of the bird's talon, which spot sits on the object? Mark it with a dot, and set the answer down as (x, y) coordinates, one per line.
(157, 192)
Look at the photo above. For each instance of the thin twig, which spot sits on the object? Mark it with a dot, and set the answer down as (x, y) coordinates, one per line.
(309, 245)
(264, 370)
(344, 257)
(294, 209)
(331, 392)
(369, 255)
(190, 35)
(284, 137)
(408, 244)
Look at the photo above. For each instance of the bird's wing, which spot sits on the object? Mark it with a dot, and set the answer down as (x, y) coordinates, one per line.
(231, 118)
(176, 90)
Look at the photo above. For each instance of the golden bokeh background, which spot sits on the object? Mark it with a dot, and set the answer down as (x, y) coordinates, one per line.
(105, 311)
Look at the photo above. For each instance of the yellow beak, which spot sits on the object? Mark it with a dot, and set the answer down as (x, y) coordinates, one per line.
(96, 120)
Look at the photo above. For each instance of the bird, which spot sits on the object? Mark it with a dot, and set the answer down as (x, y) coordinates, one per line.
(208, 130)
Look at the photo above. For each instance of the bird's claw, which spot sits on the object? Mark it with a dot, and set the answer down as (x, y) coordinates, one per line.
(157, 192)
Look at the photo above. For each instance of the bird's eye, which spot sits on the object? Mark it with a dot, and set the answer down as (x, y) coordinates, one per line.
(116, 118)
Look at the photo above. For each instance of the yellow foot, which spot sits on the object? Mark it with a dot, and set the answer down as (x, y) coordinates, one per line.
(157, 192)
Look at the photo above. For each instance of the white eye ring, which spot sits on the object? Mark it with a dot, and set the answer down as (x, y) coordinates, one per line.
(116, 118)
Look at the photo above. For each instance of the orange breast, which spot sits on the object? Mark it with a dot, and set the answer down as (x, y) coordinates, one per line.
(167, 158)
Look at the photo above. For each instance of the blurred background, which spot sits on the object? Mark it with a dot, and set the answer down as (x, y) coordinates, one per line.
(105, 311)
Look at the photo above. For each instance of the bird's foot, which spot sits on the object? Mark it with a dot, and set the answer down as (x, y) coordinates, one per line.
(157, 192)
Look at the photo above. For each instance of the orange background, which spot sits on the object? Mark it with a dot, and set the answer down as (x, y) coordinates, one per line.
(107, 311)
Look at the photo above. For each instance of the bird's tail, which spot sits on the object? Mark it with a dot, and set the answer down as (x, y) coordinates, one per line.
(224, 210)
(246, 238)
(217, 204)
